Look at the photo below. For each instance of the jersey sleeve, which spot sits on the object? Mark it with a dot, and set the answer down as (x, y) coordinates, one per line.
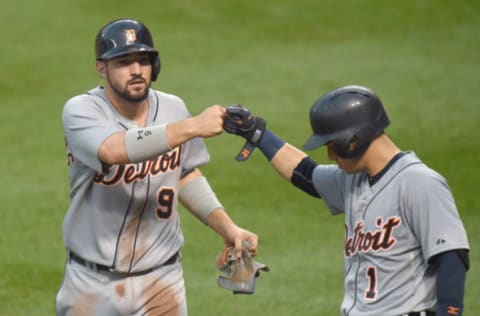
(329, 181)
(432, 214)
(195, 152)
(86, 128)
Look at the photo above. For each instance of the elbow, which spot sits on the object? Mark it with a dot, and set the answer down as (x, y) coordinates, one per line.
(112, 156)
(113, 151)
(302, 177)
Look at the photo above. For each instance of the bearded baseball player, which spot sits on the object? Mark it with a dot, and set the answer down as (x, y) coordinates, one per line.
(133, 154)
(406, 249)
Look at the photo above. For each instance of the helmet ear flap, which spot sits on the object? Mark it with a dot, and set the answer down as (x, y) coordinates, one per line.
(347, 146)
(356, 145)
(156, 66)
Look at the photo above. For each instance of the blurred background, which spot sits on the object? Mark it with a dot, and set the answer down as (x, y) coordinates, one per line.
(275, 56)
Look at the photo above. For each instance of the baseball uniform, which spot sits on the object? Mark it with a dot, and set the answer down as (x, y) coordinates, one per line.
(123, 217)
(392, 228)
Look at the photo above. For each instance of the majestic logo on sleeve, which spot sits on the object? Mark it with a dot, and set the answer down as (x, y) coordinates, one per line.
(361, 240)
(132, 172)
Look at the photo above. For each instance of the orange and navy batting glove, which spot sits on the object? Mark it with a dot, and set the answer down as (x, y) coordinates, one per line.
(240, 121)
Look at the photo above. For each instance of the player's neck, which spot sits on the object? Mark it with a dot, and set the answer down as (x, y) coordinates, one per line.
(135, 111)
(379, 154)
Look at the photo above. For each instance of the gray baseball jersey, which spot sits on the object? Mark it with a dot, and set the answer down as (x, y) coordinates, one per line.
(392, 229)
(124, 216)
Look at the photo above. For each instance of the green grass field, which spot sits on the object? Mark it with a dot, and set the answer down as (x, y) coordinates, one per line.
(277, 57)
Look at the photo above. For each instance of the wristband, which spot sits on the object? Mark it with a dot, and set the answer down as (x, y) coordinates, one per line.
(198, 197)
(270, 144)
(147, 142)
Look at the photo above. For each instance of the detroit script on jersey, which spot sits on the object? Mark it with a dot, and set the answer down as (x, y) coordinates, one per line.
(363, 240)
(132, 172)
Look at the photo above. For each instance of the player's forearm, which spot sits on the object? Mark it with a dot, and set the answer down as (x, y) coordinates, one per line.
(233, 235)
(139, 144)
(286, 160)
(451, 273)
(182, 131)
(197, 196)
(290, 162)
(134, 145)
(206, 124)
(199, 199)
(143, 143)
(222, 224)
(283, 156)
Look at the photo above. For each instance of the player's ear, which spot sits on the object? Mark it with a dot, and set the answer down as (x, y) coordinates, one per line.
(101, 68)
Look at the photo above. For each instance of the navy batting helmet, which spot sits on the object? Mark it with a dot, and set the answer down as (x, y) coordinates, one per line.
(126, 36)
(350, 117)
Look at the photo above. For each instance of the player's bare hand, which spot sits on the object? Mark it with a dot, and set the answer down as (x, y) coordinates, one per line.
(209, 122)
(243, 236)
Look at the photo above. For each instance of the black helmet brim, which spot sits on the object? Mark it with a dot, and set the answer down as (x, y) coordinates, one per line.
(315, 141)
(126, 50)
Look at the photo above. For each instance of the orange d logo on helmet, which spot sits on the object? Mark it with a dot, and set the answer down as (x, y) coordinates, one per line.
(130, 36)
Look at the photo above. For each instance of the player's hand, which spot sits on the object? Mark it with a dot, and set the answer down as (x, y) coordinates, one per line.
(240, 121)
(209, 122)
(241, 236)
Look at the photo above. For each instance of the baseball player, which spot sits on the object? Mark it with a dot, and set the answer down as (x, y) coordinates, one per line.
(133, 154)
(405, 250)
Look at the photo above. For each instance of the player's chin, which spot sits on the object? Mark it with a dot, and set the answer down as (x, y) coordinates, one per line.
(138, 93)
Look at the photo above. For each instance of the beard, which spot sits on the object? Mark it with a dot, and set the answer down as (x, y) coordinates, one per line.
(126, 94)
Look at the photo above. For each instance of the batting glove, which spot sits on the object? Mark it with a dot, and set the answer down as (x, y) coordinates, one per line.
(240, 121)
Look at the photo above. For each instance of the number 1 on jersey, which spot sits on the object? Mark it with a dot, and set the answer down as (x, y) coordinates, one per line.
(371, 292)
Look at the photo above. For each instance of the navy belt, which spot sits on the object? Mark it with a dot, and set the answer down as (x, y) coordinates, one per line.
(103, 268)
(422, 313)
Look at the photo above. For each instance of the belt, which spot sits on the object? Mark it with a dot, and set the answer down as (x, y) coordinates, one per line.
(422, 313)
(100, 267)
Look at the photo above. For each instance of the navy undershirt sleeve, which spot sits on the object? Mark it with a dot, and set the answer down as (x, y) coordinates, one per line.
(451, 270)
